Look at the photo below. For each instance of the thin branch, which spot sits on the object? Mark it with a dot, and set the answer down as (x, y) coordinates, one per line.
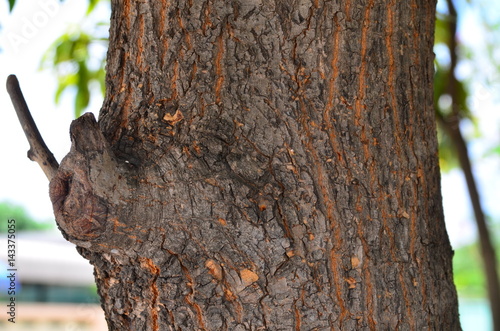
(38, 151)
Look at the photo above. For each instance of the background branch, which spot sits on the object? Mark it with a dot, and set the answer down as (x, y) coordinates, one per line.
(451, 123)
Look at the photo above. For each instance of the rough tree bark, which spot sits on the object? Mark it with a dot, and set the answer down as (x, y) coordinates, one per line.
(263, 165)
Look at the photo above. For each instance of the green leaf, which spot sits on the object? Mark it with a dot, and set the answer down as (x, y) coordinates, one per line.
(77, 58)
(11, 5)
(493, 151)
(448, 159)
(63, 50)
(442, 31)
(76, 67)
(65, 82)
(461, 99)
(467, 271)
(91, 7)
(81, 101)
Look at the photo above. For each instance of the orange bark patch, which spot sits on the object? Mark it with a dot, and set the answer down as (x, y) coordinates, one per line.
(355, 262)
(187, 36)
(229, 295)
(362, 70)
(214, 269)
(298, 322)
(248, 277)
(126, 12)
(189, 299)
(175, 118)
(117, 223)
(348, 10)
(352, 282)
(149, 265)
(173, 82)
(155, 271)
(327, 118)
(161, 30)
(140, 43)
(218, 68)
(334, 262)
(207, 23)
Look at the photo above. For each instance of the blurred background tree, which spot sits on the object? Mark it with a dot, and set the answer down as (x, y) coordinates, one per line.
(452, 107)
(24, 221)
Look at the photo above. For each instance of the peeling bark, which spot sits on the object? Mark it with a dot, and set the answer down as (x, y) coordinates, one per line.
(263, 166)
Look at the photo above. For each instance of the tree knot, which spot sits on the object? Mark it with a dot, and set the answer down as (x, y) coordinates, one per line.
(79, 191)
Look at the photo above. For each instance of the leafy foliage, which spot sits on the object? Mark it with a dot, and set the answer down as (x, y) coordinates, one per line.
(77, 58)
(442, 32)
(71, 59)
(468, 272)
(443, 107)
(468, 269)
(92, 5)
(447, 88)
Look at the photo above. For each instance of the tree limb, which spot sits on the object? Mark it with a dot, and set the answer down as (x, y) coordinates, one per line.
(38, 151)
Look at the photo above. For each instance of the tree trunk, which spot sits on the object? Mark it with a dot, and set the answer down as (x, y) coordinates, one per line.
(263, 166)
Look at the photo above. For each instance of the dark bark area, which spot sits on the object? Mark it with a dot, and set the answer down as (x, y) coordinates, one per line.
(263, 165)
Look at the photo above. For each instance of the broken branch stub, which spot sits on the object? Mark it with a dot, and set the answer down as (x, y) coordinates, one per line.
(88, 185)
